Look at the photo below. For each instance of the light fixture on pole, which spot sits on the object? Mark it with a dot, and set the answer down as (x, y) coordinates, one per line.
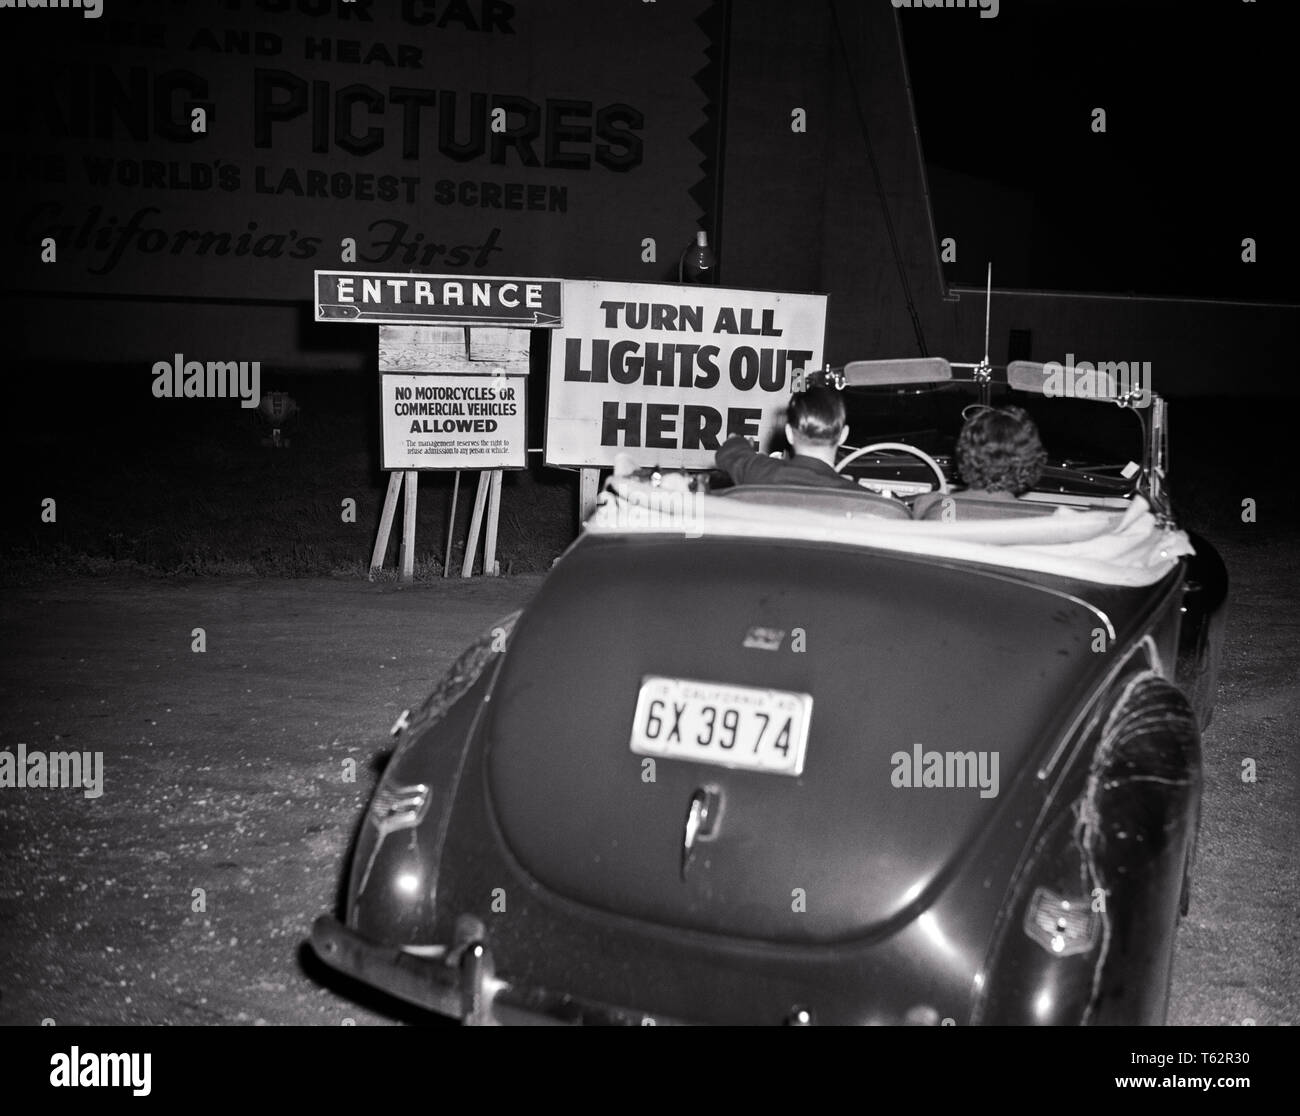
(276, 408)
(698, 264)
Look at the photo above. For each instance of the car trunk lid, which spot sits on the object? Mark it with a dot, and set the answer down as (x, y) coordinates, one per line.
(933, 688)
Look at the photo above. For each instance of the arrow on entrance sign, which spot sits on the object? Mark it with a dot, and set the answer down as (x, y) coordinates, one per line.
(357, 314)
(411, 299)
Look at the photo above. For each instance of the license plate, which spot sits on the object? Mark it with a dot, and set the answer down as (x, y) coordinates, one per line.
(732, 726)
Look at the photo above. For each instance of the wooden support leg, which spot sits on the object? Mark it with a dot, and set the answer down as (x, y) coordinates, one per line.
(408, 527)
(588, 490)
(494, 513)
(451, 523)
(475, 523)
(385, 524)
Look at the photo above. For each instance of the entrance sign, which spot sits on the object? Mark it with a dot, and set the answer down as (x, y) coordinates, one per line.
(453, 379)
(452, 422)
(404, 298)
(665, 373)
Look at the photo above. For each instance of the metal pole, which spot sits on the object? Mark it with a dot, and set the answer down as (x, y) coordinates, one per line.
(988, 303)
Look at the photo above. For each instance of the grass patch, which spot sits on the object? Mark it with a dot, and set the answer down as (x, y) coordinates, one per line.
(191, 487)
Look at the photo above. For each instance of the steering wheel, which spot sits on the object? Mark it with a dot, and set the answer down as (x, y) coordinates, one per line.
(938, 471)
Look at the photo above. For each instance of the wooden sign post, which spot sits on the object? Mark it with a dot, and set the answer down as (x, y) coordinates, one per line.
(453, 362)
(588, 493)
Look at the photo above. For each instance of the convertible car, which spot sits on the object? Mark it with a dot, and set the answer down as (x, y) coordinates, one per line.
(766, 755)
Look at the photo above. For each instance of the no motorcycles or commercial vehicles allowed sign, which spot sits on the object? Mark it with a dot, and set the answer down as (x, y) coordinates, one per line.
(398, 298)
(453, 422)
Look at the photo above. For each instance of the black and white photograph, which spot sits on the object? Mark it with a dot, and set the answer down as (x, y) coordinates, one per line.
(650, 513)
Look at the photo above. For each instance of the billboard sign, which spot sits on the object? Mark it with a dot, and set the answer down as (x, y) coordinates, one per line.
(665, 373)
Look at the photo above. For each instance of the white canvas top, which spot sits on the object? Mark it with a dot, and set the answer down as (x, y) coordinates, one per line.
(1128, 548)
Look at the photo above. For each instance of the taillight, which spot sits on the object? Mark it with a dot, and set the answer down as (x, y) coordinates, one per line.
(398, 807)
(1061, 926)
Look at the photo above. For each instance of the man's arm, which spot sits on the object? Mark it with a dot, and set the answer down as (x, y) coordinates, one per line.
(745, 465)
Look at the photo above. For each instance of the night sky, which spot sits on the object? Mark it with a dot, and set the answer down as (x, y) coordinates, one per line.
(1200, 137)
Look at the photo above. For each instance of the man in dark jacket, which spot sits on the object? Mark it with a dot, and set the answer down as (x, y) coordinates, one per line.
(815, 430)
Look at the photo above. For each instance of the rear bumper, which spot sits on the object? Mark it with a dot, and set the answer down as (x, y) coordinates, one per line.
(460, 980)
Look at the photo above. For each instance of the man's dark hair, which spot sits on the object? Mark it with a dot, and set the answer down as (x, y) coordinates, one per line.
(817, 414)
(999, 450)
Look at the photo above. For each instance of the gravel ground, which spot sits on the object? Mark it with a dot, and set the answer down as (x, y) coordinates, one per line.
(185, 892)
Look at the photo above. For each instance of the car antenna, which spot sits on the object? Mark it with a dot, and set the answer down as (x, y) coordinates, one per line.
(988, 303)
(984, 371)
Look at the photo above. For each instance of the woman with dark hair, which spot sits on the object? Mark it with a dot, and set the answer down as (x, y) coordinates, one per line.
(999, 456)
(999, 451)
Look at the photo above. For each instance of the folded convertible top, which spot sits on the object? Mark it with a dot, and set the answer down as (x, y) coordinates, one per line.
(1108, 547)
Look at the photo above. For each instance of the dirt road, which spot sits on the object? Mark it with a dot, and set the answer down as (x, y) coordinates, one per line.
(184, 892)
(223, 771)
